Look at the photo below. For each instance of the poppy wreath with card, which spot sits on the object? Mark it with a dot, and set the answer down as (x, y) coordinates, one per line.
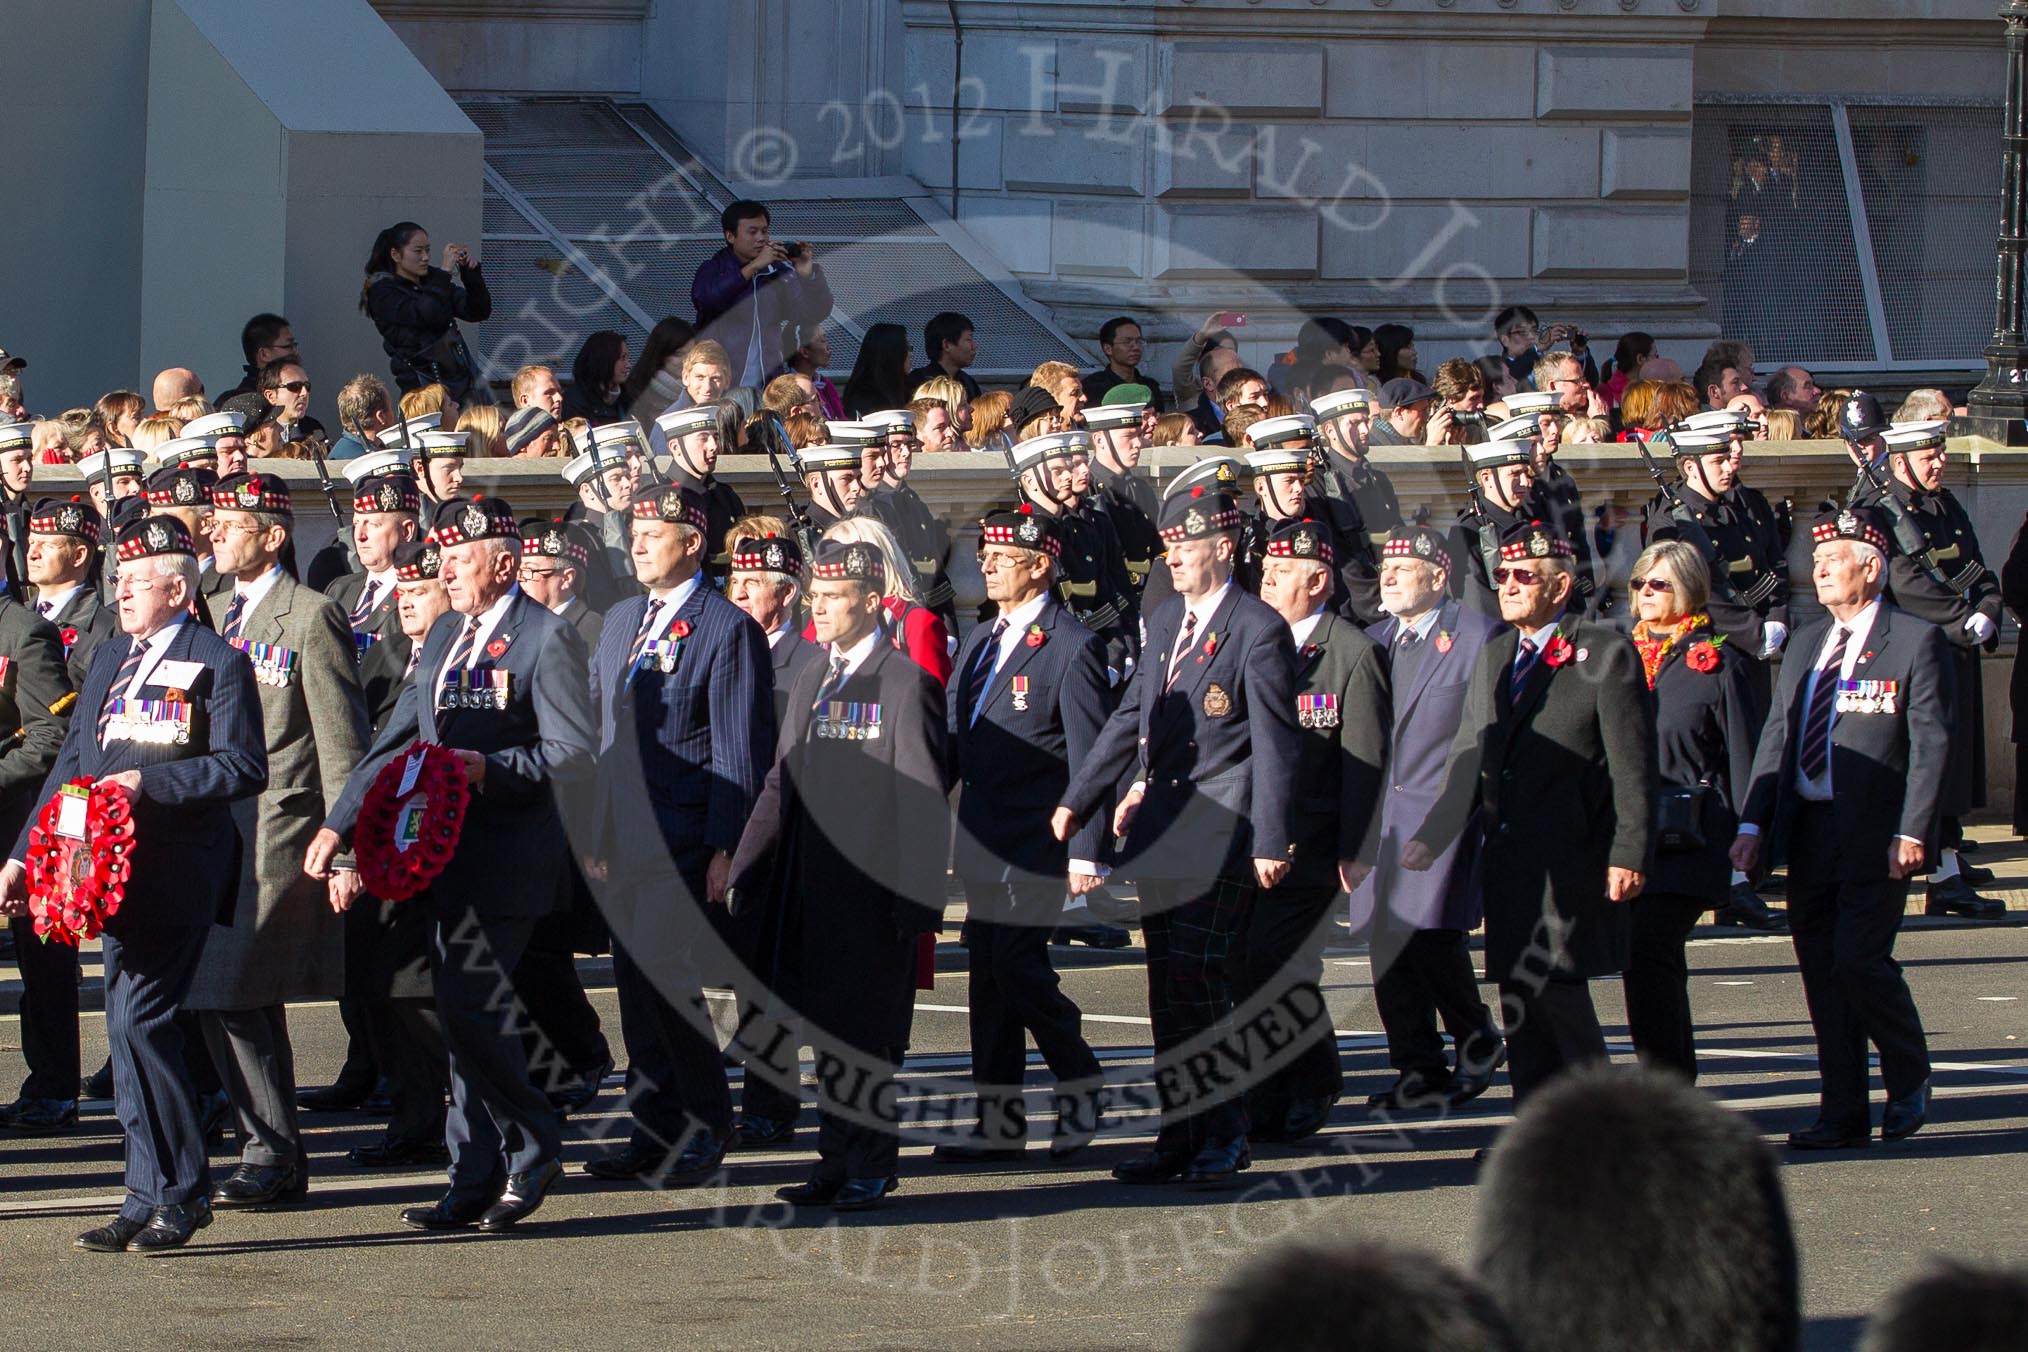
(80, 855)
(410, 821)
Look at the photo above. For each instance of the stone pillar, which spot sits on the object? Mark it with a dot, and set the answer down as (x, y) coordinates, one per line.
(1999, 406)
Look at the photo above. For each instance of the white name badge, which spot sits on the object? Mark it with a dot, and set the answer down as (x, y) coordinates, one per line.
(181, 675)
(70, 816)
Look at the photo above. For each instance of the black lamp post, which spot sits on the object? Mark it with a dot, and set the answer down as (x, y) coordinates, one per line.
(1998, 407)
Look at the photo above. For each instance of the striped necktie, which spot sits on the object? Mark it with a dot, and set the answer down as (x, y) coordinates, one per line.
(1815, 757)
(650, 622)
(461, 654)
(118, 689)
(1524, 662)
(983, 666)
(367, 599)
(43, 608)
(833, 680)
(234, 615)
(1184, 642)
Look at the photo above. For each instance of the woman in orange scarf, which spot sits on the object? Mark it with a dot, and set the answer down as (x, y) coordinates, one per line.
(1707, 718)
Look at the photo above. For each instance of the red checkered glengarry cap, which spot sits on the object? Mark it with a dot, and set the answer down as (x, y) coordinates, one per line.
(1022, 528)
(767, 554)
(1417, 542)
(1853, 523)
(1534, 540)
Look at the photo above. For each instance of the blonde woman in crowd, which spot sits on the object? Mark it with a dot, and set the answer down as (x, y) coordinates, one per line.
(1784, 424)
(918, 632)
(488, 430)
(152, 432)
(988, 431)
(952, 396)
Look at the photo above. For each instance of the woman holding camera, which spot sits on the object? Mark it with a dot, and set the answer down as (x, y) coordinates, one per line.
(417, 307)
(1707, 716)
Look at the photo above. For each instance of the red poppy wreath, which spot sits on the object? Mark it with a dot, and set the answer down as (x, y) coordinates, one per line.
(80, 852)
(409, 824)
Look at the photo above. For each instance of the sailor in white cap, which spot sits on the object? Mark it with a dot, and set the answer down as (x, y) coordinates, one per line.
(830, 471)
(1092, 580)
(1280, 458)
(110, 475)
(1503, 484)
(605, 473)
(1936, 572)
(227, 433)
(1557, 499)
(695, 437)
(1344, 419)
(920, 532)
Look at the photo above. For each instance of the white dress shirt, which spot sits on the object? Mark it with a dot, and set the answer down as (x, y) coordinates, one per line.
(255, 591)
(489, 620)
(50, 604)
(1018, 620)
(673, 599)
(1301, 630)
(856, 655)
(156, 645)
(1203, 608)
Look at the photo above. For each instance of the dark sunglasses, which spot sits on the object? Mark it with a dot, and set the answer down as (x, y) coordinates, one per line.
(295, 386)
(1660, 585)
(1527, 577)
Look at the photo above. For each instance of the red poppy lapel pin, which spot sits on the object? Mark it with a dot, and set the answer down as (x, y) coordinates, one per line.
(1443, 641)
(679, 629)
(1558, 651)
(1035, 638)
(496, 647)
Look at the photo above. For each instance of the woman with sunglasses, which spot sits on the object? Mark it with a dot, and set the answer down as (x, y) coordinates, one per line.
(1708, 712)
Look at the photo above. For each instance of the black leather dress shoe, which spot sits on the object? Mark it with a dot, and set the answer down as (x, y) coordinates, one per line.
(862, 1194)
(700, 1161)
(1475, 1077)
(170, 1228)
(1306, 1117)
(762, 1133)
(261, 1185)
(39, 1117)
(1410, 1094)
(1218, 1162)
(1954, 896)
(112, 1237)
(398, 1152)
(1092, 936)
(814, 1192)
(964, 1152)
(1822, 1135)
(1745, 909)
(334, 1098)
(522, 1195)
(99, 1084)
(626, 1165)
(1157, 1166)
(1905, 1115)
(451, 1212)
(1974, 874)
(578, 1095)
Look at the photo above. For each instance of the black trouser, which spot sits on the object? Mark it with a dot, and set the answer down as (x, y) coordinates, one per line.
(1015, 992)
(1549, 1030)
(1277, 956)
(361, 1069)
(1427, 977)
(675, 1071)
(1657, 979)
(500, 1123)
(49, 1038)
(408, 1046)
(1844, 935)
(1189, 931)
(548, 985)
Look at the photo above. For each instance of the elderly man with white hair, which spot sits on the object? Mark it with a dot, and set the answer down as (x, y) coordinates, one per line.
(1862, 710)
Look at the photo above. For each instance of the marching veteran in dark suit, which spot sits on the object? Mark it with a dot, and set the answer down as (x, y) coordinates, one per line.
(285, 941)
(385, 501)
(766, 582)
(851, 834)
(1208, 729)
(63, 544)
(1947, 583)
(387, 943)
(36, 702)
(1418, 922)
(1556, 750)
(1850, 770)
(503, 683)
(1341, 704)
(1027, 704)
(685, 706)
(178, 731)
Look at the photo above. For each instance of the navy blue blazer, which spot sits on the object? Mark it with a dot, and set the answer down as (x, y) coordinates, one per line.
(682, 753)
(186, 851)
(788, 655)
(1217, 751)
(1014, 760)
(512, 854)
